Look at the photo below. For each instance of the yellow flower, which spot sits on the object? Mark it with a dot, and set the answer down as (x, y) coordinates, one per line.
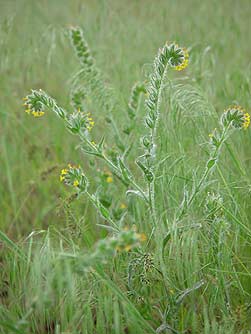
(109, 179)
(30, 110)
(64, 171)
(37, 113)
(76, 183)
(237, 116)
(184, 62)
(246, 121)
(90, 122)
(123, 206)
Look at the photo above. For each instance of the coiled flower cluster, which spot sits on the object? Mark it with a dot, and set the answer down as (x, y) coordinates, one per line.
(184, 61)
(74, 176)
(80, 46)
(38, 100)
(236, 116)
(177, 58)
(79, 121)
(33, 107)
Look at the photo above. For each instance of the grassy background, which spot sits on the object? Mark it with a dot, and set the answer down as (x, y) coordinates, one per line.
(124, 37)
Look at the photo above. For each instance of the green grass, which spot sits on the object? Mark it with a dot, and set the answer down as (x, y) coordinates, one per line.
(199, 281)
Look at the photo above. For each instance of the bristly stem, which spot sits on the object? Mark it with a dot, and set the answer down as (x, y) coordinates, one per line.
(114, 168)
(173, 56)
(211, 163)
(151, 184)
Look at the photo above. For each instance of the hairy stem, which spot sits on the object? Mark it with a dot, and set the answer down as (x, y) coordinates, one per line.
(206, 173)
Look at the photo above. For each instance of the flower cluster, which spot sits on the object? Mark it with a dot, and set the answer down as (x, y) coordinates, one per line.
(80, 46)
(108, 176)
(33, 107)
(38, 100)
(80, 121)
(237, 117)
(74, 176)
(184, 61)
(177, 56)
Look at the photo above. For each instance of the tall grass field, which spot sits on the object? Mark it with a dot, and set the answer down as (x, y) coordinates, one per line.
(125, 178)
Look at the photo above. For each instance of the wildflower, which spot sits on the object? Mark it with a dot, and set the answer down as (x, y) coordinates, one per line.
(90, 122)
(123, 206)
(76, 183)
(177, 56)
(246, 120)
(37, 113)
(80, 121)
(109, 179)
(236, 116)
(65, 171)
(81, 47)
(33, 107)
(184, 62)
(74, 176)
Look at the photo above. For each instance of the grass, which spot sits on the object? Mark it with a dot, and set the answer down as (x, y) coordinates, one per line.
(193, 274)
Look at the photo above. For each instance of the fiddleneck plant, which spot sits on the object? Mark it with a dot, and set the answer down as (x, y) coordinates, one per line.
(79, 122)
(173, 56)
(89, 82)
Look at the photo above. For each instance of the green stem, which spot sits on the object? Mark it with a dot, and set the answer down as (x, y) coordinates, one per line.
(214, 156)
(151, 185)
(115, 168)
(109, 219)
